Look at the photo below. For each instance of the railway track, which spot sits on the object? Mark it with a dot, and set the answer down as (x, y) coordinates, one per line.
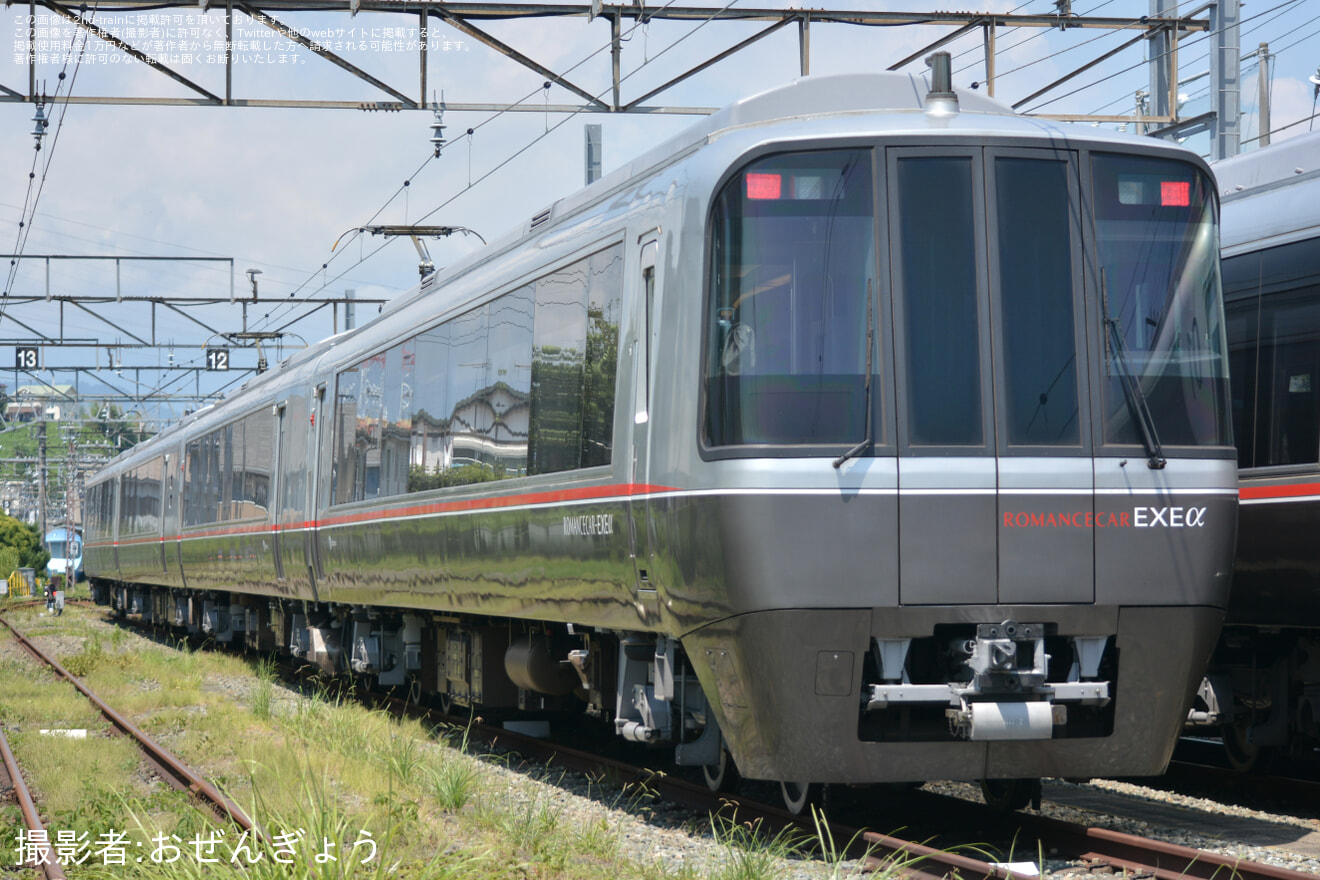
(1129, 854)
(1100, 849)
(1224, 782)
(11, 778)
(168, 767)
(1096, 848)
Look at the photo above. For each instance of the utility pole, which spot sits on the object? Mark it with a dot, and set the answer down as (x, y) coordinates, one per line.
(41, 474)
(70, 475)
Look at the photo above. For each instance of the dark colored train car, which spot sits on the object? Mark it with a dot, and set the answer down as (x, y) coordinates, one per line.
(1264, 686)
(858, 434)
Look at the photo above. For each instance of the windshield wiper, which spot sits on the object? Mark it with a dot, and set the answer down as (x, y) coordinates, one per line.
(1132, 392)
(870, 345)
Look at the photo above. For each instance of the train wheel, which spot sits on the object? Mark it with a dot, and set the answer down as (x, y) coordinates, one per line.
(798, 796)
(1242, 754)
(1010, 795)
(724, 776)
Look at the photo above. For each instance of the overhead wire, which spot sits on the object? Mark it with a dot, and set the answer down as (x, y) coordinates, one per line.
(25, 222)
(1191, 41)
(1040, 32)
(473, 183)
(1016, 9)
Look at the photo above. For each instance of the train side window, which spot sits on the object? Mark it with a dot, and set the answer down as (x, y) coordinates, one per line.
(940, 302)
(347, 452)
(1274, 350)
(1035, 211)
(1290, 361)
(524, 384)
(559, 339)
(429, 445)
(1241, 317)
(604, 304)
(401, 431)
(150, 499)
(127, 502)
(192, 469)
(370, 415)
(393, 431)
(225, 452)
(469, 336)
(259, 452)
(507, 397)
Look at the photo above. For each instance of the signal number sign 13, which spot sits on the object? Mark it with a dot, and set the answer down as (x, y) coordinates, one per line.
(217, 359)
(25, 357)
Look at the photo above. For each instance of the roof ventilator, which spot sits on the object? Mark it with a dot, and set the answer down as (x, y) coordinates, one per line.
(540, 219)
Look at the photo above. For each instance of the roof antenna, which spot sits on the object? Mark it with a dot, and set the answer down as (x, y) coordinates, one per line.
(941, 99)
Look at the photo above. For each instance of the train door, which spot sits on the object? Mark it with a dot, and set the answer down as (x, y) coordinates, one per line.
(644, 349)
(946, 465)
(167, 517)
(319, 421)
(174, 467)
(277, 488)
(1046, 496)
(115, 503)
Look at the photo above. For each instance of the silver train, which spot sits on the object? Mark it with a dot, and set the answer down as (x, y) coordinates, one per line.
(858, 434)
(1263, 688)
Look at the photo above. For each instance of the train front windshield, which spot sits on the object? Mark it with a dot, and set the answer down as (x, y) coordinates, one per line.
(58, 550)
(1158, 248)
(976, 290)
(794, 264)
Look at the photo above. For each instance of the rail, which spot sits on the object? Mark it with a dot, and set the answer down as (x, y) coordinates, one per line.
(41, 856)
(162, 761)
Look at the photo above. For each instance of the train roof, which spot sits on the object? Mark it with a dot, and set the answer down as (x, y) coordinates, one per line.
(1270, 196)
(863, 103)
(860, 104)
(1272, 166)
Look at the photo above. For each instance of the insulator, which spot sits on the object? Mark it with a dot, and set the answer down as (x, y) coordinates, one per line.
(39, 124)
(438, 132)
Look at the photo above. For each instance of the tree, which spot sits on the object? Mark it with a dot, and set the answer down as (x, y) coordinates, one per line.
(8, 562)
(26, 542)
(118, 430)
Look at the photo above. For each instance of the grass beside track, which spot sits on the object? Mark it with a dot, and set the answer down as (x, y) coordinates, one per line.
(320, 775)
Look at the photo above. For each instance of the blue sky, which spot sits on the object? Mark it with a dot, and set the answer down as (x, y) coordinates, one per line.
(275, 188)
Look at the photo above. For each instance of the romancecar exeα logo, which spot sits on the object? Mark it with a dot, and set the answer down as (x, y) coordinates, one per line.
(1137, 518)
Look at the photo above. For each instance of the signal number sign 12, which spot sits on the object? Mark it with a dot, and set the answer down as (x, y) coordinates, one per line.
(217, 359)
(25, 358)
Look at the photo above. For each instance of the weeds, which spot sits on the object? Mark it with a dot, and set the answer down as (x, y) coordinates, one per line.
(324, 775)
(749, 854)
(402, 757)
(264, 689)
(453, 783)
(835, 857)
(91, 656)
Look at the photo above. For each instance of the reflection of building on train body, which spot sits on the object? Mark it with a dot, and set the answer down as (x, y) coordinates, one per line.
(488, 429)
(851, 436)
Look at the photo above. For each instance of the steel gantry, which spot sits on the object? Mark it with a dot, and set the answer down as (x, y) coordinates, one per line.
(1161, 31)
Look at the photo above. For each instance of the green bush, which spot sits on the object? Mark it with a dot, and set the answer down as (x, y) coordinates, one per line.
(9, 562)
